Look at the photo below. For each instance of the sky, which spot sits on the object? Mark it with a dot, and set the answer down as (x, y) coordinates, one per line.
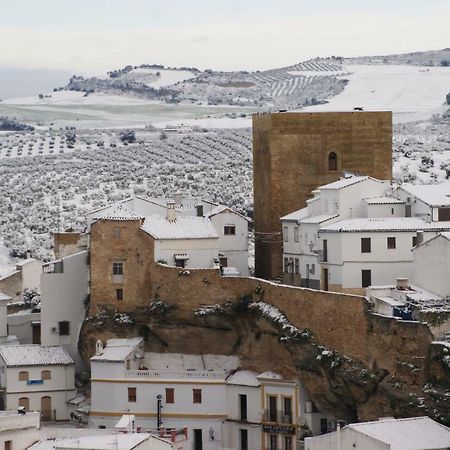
(90, 37)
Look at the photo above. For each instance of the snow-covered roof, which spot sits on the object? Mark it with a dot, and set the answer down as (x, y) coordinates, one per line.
(244, 378)
(269, 375)
(117, 212)
(183, 227)
(431, 194)
(296, 215)
(118, 349)
(4, 297)
(189, 362)
(113, 441)
(385, 224)
(384, 201)
(319, 218)
(25, 262)
(222, 208)
(345, 182)
(412, 433)
(444, 234)
(34, 355)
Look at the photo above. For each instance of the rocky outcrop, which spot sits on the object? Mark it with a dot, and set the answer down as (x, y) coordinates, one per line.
(354, 365)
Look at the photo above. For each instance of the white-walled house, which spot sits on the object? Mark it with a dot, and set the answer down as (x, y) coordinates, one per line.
(231, 228)
(385, 434)
(431, 202)
(352, 234)
(221, 406)
(37, 378)
(64, 290)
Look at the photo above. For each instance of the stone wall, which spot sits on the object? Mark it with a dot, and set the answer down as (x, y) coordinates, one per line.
(135, 249)
(290, 159)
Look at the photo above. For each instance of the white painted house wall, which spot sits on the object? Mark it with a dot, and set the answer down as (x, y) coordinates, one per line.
(431, 261)
(63, 296)
(31, 274)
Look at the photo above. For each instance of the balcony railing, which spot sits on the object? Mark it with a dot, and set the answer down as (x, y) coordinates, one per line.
(277, 416)
(176, 374)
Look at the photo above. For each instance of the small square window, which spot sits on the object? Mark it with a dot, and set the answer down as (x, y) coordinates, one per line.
(414, 241)
(391, 242)
(365, 245)
(117, 268)
(64, 328)
(229, 230)
(196, 395)
(119, 294)
(170, 395)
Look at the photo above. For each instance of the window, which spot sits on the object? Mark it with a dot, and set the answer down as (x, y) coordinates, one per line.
(180, 263)
(365, 245)
(286, 234)
(117, 233)
(287, 409)
(229, 230)
(366, 276)
(414, 241)
(313, 269)
(46, 375)
(391, 242)
(286, 265)
(272, 408)
(332, 161)
(392, 211)
(119, 294)
(244, 439)
(8, 445)
(243, 406)
(117, 268)
(325, 250)
(23, 376)
(223, 261)
(170, 395)
(297, 265)
(132, 394)
(196, 395)
(288, 443)
(296, 234)
(273, 442)
(64, 328)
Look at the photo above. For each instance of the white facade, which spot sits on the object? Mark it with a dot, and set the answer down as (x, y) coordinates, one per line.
(353, 234)
(219, 409)
(228, 244)
(65, 287)
(431, 265)
(38, 378)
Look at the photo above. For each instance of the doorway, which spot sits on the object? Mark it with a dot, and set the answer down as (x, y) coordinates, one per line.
(198, 439)
(46, 408)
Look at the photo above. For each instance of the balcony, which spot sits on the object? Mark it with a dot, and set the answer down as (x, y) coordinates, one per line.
(277, 417)
(203, 375)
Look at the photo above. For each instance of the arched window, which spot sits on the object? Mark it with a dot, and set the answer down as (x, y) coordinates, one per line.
(332, 161)
(23, 376)
(46, 375)
(25, 402)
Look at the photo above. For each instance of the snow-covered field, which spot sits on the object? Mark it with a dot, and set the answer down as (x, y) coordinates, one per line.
(166, 77)
(412, 93)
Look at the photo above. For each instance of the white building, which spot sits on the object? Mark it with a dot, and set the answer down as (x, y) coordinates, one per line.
(37, 378)
(231, 228)
(417, 433)
(430, 202)
(220, 406)
(18, 431)
(65, 288)
(352, 234)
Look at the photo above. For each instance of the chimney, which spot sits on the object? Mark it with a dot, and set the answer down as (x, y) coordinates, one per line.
(98, 348)
(402, 283)
(171, 211)
(199, 207)
(178, 198)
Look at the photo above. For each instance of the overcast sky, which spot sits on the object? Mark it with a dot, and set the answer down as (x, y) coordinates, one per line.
(92, 36)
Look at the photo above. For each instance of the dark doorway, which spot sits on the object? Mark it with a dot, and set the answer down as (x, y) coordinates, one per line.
(198, 440)
(36, 329)
(325, 279)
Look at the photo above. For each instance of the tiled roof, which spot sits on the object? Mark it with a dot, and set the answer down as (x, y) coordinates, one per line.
(384, 201)
(401, 434)
(431, 194)
(183, 227)
(244, 378)
(34, 355)
(296, 215)
(385, 224)
(118, 349)
(117, 212)
(319, 218)
(345, 182)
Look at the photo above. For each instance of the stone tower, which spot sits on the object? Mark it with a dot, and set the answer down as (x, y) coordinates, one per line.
(294, 153)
